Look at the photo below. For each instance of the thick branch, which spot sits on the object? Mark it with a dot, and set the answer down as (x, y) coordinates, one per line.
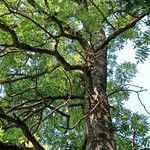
(120, 31)
(27, 47)
(22, 125)
(55, 53)
(8, 29)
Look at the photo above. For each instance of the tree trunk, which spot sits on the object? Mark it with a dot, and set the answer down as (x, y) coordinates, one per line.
(100, 134)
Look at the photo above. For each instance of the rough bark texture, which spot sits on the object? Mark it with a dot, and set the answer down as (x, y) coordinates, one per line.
(99, 124)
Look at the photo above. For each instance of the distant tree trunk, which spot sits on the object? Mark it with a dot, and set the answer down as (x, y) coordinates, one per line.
(100, 134)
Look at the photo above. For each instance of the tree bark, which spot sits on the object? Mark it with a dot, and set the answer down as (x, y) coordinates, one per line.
(100, 134)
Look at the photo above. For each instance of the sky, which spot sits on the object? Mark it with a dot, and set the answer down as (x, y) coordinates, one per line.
(142, 79)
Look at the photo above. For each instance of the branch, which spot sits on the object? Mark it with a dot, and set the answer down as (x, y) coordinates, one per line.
(9, 52)
(82, 118)
(22, 78)
(54, 53)
(133, 139)
(105, 18)
(22, 125)
(8, 29)
(21, 93)
(33, 21)
(73, 34)
(31, 103)
(126, 89)
(8, 146)
(39, 50)
(27, 47)
(120, 31)
(141, 102)
(77, 105)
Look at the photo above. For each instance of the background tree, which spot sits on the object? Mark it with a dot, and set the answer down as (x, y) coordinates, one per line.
(61, 86)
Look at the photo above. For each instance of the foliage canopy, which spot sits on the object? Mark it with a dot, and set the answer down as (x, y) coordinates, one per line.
(42, 62)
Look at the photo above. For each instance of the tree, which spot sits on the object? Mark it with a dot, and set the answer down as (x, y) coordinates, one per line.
(59, 73)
